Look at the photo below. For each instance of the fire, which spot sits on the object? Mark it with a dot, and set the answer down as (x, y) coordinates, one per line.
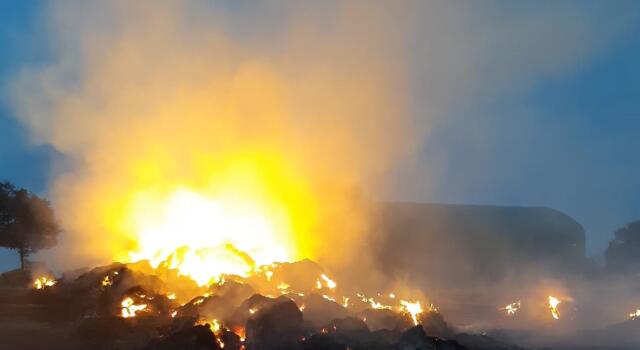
(412, 308)
(269, 274)
(215, 326)
(106, 281)
(44, 282)
(329, 298)
(512, 308)
(553, 306)
(129, 309)
(634, 315)
(283, 286)
(328, 281)
(378, 305)
(345, 301)
(204, 237)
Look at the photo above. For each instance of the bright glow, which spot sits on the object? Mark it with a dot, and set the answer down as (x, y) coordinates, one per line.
(206, 237)
(215, 326)
(328, 281)
(345, 301)
(553, 306)
(634, 315)
(129, 309)
(412, 308)
(329, 298)
(283, 286)
(106, 281)
(512, 308)
(378, 305)
(44, 282)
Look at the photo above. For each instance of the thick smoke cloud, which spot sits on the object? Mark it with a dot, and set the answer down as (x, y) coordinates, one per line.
(155, 93)
(338, 97)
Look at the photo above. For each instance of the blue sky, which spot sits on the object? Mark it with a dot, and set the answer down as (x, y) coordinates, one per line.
(566, 139)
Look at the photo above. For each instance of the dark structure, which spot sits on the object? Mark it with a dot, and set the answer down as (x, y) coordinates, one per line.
(464, 245)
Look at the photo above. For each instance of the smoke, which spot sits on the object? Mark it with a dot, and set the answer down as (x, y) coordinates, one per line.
(324, 102)
(151, 96)
(317, 105)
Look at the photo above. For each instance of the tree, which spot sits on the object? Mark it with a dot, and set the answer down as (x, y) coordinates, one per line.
(27, 222)
(623, 253)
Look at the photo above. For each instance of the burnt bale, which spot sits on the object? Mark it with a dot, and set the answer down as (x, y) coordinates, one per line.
(230, 340)
(322, 342)
(275, 327)
(116, 332)
(193, 338)
(385, 336)
(321, 311)
(242, 313)
(415, 338)
(350, 331)
(434, 324)
(223, 305)
(300, 275)
(442, 344)
(484, 342)
(378, 319)
(350, 325)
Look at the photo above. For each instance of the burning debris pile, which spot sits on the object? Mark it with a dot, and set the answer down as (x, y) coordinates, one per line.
(279, 306)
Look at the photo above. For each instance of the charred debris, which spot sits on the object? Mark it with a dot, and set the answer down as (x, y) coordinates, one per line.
(132, 306)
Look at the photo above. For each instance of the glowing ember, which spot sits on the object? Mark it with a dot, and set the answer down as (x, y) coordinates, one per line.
(634, 315)
(345, 301)
(215, 326)
(377, 305)
(171, 296)
(328, 281)
(129, 309)
(328, 298)
(283, 286)
(553, 306)
(44, 282)
(512, 308)
(412, 308)
(106, 281)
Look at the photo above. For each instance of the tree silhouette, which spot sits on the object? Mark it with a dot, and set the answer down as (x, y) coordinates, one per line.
(622, 255)
(27, 222)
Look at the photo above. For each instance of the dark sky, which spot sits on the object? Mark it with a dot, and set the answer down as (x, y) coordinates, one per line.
(566, 139)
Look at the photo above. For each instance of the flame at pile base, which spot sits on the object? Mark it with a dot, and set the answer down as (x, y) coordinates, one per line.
(553, 306)
(43, 282)
(206, 237)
